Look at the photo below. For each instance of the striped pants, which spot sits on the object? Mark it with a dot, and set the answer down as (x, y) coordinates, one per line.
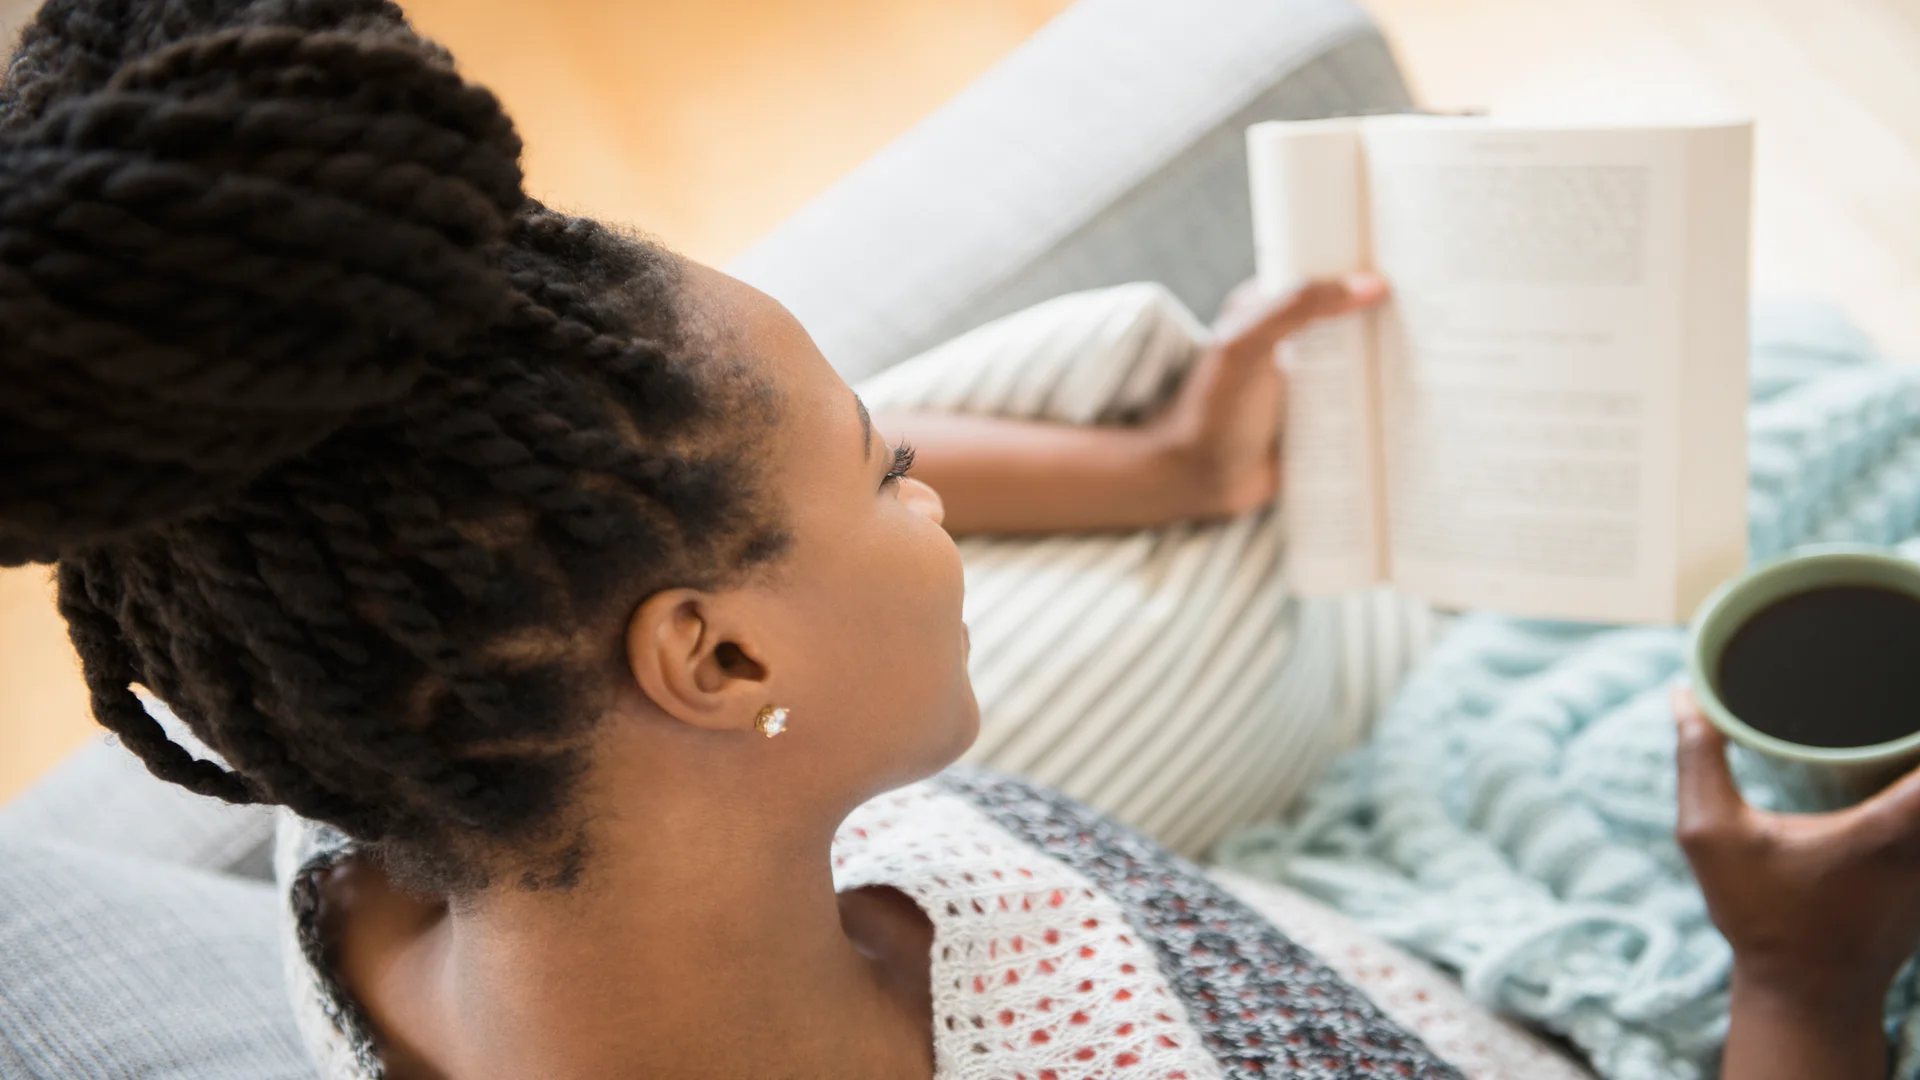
(1166, 676)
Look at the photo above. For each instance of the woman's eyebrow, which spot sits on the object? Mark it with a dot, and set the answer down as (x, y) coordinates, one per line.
(866, 427)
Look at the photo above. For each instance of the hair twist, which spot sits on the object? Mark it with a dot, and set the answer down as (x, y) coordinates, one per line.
(346, 449)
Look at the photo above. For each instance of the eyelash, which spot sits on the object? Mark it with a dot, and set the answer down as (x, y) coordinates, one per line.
(902, 463)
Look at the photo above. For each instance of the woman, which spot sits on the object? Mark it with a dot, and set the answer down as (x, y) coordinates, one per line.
(569, 587)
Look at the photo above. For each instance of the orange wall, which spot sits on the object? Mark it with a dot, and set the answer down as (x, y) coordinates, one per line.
(707, 123)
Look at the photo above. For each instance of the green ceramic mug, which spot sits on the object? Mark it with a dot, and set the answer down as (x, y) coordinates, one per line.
(1820, 776)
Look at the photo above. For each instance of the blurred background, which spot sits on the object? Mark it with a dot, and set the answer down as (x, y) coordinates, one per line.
(708, 123)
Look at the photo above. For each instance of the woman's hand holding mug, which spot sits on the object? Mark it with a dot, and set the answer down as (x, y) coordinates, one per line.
(1821, 911)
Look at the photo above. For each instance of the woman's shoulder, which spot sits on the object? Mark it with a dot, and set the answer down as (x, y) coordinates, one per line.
(1140, 939)
(1033, 970)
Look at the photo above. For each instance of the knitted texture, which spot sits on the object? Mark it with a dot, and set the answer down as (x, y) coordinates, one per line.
(1034, 972)
(1413, 993)
(1512, 816)
(1264, 1006)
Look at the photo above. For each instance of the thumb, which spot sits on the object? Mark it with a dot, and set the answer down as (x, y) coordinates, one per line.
(1286, 315)
(1893, 815)
(1709, 800)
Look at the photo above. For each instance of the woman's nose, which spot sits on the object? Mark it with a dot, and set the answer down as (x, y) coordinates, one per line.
(923, 499)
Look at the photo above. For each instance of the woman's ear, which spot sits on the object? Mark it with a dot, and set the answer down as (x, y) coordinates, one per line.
(696, 658)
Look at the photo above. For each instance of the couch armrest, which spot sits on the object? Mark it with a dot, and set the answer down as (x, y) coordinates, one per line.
(1107, 148)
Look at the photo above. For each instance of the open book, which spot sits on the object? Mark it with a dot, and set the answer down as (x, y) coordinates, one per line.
(1548, 417)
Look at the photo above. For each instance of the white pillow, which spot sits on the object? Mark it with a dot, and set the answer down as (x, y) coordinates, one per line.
(1165, 676)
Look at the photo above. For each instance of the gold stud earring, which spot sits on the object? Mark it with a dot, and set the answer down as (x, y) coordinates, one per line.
(771, 721)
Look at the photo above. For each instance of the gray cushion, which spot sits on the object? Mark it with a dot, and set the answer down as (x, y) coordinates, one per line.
(1108, 148)
(104, 799)
(117, 968)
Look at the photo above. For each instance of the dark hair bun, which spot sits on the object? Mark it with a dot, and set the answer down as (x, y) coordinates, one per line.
(222, 254)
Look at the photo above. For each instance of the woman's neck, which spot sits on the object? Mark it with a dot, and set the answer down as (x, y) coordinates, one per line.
(705, 940)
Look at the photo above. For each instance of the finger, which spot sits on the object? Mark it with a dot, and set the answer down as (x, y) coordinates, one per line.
(1243, 298)
(1320, 299)
(1894, 813)
(1709, 799)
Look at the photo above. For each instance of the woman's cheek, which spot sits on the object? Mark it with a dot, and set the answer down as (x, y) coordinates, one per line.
(923, 584)
(947, 582)
(951, 641)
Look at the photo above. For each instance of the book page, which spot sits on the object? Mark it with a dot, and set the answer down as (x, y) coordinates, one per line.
(1309, 222)
(1531, 362)
(1714, 379)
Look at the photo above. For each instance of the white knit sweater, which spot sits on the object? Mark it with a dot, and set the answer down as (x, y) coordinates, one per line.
(1035, 972)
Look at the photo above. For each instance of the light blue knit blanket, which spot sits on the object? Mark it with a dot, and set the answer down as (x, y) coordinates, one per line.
(1511, 817)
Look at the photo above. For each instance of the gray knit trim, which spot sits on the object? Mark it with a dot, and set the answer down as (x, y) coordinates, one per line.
(324, 847)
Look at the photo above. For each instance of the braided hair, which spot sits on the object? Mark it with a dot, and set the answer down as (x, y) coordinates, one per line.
(345, 448)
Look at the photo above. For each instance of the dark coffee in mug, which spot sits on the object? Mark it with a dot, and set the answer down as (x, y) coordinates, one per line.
(1835, 666)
